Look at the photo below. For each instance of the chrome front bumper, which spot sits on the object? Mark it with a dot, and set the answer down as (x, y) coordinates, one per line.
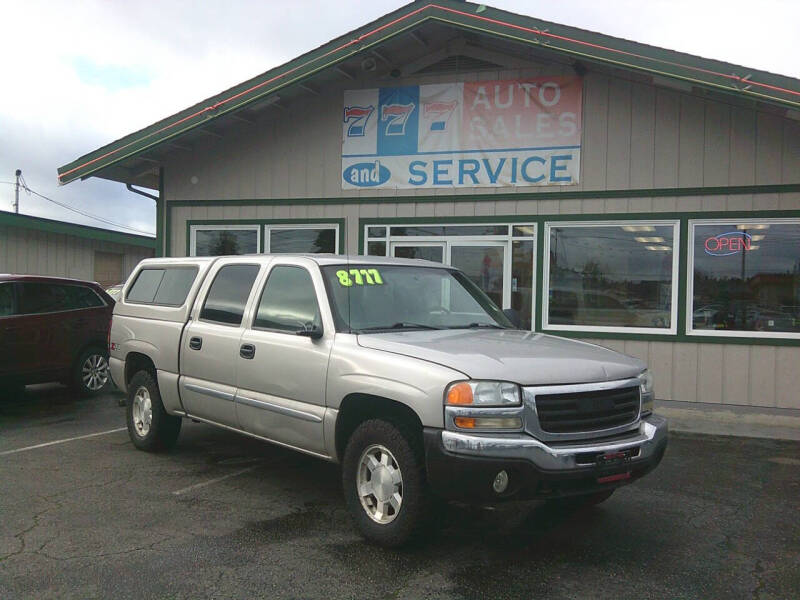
(646, 442)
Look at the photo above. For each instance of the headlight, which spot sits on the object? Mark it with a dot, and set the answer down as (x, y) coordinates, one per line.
(483, 393)
(646, 387)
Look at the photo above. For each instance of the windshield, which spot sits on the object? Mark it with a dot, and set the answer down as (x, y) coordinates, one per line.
(373, 298)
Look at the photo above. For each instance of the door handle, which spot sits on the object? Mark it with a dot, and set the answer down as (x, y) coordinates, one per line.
(196, 343)
(247, 351)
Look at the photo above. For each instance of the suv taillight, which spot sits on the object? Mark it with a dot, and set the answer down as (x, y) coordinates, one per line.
(110, 323)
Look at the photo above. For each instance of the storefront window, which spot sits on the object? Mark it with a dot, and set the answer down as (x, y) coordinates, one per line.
(745, 278)
(313, 240)
(224, 240)
(610, 277)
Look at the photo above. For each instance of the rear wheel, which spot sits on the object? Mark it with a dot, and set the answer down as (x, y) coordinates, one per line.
(384, 482)
(90, 374)
(149, 426)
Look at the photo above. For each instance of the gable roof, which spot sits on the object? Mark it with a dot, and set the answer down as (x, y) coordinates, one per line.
(576, 43)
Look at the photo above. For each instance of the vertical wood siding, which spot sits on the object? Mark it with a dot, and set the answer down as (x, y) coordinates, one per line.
(32, 252)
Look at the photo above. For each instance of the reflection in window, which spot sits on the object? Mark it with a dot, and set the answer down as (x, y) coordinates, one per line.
(746, 277)
(289, 302)
(225, 242)
(611, 276)
(304, 240)
(228, 294)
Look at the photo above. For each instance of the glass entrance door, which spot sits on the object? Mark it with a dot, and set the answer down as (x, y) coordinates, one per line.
(434, 251)
(499, 258)
(485, 263)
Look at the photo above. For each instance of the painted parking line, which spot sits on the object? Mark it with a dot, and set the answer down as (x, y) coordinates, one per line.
(197, 486)
(64, 441)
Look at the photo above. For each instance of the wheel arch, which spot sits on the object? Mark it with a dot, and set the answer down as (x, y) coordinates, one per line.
(357, 407)
(135, 362)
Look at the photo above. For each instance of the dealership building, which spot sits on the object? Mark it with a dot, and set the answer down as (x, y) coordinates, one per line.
(610, 191)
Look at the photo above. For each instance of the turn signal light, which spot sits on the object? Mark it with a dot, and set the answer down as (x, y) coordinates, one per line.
(488, 422)
(460, 393)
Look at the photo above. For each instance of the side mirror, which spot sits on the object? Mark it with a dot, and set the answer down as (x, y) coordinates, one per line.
(513, 316)
(310, 330)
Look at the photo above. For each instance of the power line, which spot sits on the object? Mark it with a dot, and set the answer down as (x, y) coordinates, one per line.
(80, 212)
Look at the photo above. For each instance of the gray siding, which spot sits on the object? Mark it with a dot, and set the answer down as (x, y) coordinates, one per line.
(635, 136)
(32, 252)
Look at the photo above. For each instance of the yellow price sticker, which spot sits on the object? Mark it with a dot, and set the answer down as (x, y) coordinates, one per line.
(359, 277)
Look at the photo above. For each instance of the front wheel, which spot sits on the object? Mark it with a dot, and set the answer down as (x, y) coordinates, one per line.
(384, 483)
(149, 426)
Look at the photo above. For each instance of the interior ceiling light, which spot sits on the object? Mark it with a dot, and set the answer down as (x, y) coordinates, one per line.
(649, 240)
(660, 248)
(751, 227)
(756, 238)
(635, 228)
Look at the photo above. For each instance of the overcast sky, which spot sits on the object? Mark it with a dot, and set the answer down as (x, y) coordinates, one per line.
(79, 74)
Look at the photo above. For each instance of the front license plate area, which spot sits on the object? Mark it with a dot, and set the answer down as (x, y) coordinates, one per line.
(613, 460)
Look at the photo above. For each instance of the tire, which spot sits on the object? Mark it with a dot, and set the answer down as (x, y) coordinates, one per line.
(392, 450)
(149, 426)
(90, 374)
(582, 501)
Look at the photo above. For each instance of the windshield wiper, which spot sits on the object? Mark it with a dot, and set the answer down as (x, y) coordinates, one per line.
(478, 326)
(400, 325)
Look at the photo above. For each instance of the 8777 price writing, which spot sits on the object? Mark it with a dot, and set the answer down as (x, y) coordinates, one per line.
(359, 277)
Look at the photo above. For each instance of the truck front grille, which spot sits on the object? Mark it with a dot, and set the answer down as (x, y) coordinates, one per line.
(587, 411)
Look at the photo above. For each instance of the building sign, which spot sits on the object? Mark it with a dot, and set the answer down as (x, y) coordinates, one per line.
(729, 243)
(473, 134)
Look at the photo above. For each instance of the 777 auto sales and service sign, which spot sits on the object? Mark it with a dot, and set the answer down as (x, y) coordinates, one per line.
(479, 134)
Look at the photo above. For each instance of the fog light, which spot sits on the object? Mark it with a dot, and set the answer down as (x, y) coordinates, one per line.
(500, 482)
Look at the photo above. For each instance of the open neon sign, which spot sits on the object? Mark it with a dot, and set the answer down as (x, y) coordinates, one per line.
(728, 243)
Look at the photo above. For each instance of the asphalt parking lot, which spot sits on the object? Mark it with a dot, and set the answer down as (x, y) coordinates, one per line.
(223, 516)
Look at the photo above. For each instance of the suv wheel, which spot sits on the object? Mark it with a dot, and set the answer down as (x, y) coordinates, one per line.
(90, 375)
(384, 483)
(149, 426)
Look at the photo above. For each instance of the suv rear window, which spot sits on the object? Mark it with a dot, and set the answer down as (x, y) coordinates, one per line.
(165, 286)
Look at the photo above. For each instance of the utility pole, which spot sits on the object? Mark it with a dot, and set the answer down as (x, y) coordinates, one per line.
(16, 192)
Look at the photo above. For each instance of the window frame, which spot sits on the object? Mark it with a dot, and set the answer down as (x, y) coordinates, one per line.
(670, 331)
(693, 333)
(193, 229)
(18, 299)
(257, 304)
(269, 228)
(463, 239)
(127, 288)
(205, 292)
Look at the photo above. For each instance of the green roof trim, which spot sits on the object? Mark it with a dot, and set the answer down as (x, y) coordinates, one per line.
(578, 43)
(74, 229)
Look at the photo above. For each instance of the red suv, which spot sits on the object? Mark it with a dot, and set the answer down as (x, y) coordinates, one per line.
(53, 329)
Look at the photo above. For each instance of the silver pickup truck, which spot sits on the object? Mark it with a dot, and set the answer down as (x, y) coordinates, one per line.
(403, 371)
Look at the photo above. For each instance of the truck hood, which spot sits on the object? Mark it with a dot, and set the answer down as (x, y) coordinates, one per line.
(520, 356)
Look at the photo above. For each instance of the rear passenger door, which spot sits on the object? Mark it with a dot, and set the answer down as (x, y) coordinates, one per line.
(210, 345)
(283, 362)
(43, 330)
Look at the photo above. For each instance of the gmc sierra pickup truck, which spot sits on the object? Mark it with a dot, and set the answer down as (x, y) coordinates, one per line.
(402, 371)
